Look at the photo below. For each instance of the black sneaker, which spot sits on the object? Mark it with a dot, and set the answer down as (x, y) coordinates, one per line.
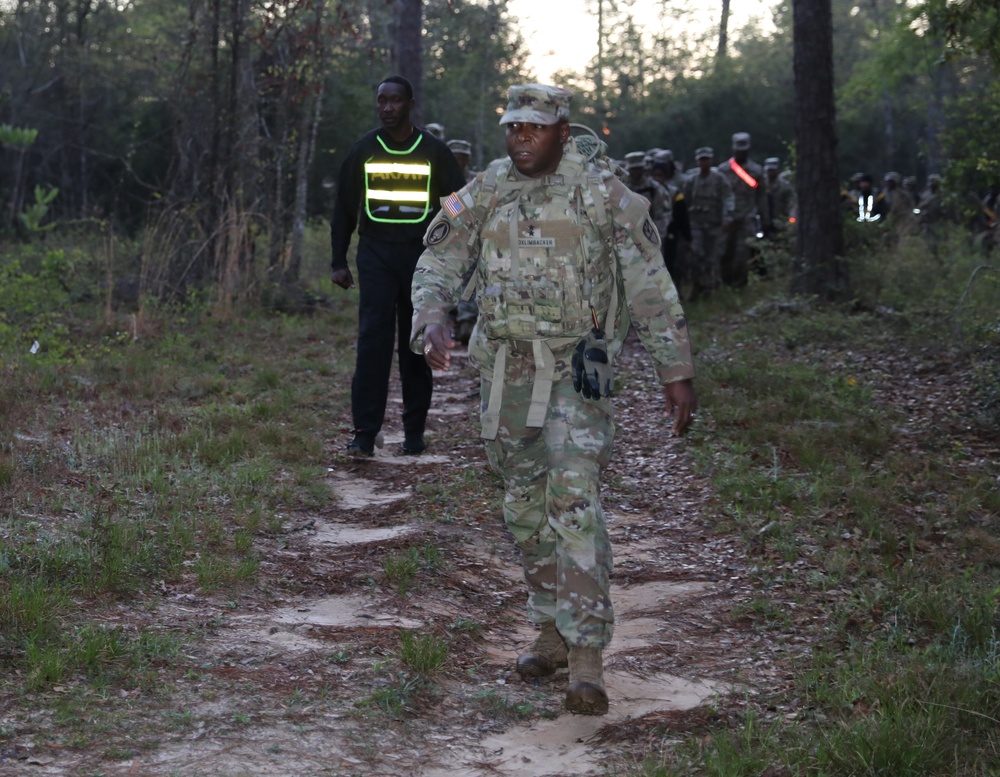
(362, 446)
(414, 445)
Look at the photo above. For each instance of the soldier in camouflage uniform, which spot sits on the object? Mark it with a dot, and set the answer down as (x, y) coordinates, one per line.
(437, 130)
(641, 182)
(899, 203)
(462, 150)
(465, 313)
(673, 177)
(560, 248)
(664, 171)
(780, 196)
(750, 214)
(710, 206)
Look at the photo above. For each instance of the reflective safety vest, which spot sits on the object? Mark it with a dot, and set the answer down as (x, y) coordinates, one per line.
(398, 191)
(866, 203)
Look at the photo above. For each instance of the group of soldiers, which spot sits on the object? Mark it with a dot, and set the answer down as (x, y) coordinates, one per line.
(903, 210)
(710, 216)
(898, 202)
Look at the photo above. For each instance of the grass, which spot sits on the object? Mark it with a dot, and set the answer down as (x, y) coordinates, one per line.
(424, 654)
(132, 470)
(400, 570)
(811, 448)
(130, 467)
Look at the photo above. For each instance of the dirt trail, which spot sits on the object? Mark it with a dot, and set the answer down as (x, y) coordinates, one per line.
(293, 662)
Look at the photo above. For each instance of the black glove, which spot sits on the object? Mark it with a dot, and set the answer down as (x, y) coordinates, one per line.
(592, 375)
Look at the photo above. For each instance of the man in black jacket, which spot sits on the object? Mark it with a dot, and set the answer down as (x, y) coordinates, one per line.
(390, 187)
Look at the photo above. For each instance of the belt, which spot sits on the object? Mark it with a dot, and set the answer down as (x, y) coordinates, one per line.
(545, 362)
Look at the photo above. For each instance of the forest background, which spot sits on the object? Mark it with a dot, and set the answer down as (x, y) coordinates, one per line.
(169, 429)
(211, 133)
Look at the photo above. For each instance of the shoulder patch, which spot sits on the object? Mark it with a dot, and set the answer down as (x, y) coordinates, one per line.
(438, 233)
(650, 232)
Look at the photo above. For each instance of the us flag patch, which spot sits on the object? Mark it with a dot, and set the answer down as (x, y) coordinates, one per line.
(453, 205)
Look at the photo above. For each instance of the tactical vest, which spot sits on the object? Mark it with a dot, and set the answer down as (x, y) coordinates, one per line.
(706, 198)
(546, 258)
(397, 190)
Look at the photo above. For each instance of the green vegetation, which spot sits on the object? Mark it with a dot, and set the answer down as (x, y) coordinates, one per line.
(135, 464)
(401, 569)
(876, 516)
(138, 469)
(424, 654)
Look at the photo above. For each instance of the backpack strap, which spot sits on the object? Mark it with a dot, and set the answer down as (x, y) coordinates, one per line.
(485, 200)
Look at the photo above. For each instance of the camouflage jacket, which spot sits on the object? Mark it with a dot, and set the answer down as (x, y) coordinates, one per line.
(750, 200)
(709, 198)
(780, 201)
(539, 258)
(660, 201)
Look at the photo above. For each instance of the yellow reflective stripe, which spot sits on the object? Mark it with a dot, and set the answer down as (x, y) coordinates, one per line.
(397, 168)
(385, 194)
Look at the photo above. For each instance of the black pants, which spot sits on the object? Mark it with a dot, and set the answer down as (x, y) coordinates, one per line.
(385, 272)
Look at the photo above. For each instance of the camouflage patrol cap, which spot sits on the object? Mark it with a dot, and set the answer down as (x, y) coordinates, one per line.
(635, 159)
(460, 147)
(666, 155)
(704, 151)
(934, 178)
(536, 104)
(437, 130)
(894, 177)
(741, 140)
(772, 163)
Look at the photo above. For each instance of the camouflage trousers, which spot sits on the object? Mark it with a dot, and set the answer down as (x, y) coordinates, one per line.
(707, 243)
(552, 506)
(735, 260)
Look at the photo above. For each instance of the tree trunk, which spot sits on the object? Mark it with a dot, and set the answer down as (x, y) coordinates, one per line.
(819, 268)
(723, 32)
(409, 49)
(307, 151)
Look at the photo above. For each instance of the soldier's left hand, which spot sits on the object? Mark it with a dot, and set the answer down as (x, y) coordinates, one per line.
(681, 403)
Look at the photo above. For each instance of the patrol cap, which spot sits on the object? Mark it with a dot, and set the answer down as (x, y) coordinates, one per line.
(934, 177)
(536, 104)
(741, 140)
(437, 130)
(772, 163)
(635, 159)
(460, 147)
(665, 156)
(704, 151)
(894, 177)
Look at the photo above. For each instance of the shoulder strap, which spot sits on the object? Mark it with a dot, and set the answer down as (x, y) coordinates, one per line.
(484, 201)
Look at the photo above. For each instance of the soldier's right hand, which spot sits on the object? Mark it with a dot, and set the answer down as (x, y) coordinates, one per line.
(343, 278)
(437, 346)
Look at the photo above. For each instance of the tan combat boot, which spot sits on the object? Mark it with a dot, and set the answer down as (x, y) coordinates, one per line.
(547, 654)
(586, 694)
